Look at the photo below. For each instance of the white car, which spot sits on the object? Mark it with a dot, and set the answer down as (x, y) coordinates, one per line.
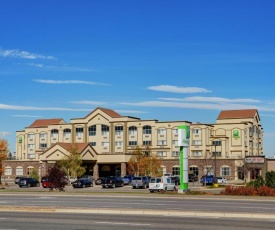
(157, 184)
(221, 180)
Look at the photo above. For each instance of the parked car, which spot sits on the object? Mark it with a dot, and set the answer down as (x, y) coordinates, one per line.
(72, 179)
(175, 179)
(28, 182)
(158, 184)
(43, 178)
(99, 180)
(126, 180)
(16, 180)
(192, 177)
(140, 182)
(46, 184)
(208, 179)
(82, 183)
(112, 182)
(221, 180)
(130, 177)
(89, 177)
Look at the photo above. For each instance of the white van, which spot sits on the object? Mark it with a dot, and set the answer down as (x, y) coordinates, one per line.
(157, 184)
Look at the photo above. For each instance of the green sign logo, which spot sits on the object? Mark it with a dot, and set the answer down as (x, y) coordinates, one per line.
(236, 134)
(20, 139)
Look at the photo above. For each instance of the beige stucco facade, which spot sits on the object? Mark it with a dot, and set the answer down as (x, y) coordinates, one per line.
(214, 148)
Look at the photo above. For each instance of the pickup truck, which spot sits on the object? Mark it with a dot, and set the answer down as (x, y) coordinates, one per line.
(208, 179)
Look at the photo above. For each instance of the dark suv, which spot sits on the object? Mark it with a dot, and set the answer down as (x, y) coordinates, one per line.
(28, 182)
(112, 182)
(140, 182)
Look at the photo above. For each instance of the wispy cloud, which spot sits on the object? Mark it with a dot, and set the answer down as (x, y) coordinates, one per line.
(15, 53)
(212, 99)
(131, 111)
(64, 68)
(176, 89)
(89, 102)
(4, 134)
(69, 82)
(19, 107)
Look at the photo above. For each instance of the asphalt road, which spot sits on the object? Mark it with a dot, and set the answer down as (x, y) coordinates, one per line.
(61, 221)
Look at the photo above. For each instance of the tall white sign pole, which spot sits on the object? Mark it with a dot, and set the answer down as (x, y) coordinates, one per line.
(183, 142)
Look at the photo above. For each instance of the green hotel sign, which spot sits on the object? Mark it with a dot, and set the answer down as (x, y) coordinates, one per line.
(236, 134)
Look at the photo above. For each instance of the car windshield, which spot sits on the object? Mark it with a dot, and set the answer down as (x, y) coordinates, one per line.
(137, 178)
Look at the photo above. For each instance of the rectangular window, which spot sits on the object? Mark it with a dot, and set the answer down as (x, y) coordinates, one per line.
(30, 136)
(146, 142)
(175, 131)
(196, 153)
(196, 131)
(225, 171)
(217, 154)
(119, 130)
(31, 155)
(133, 143)
(161, 142)
(19, 171)
(216, 143)
(43, 145)
(42, 135)
(162, 131)
(132, 132)
(175, 154)
(175, 142)
(30, 146)
(118, 143)
(8, 171)
(105, 144)
(176, 171)
(161, 154)
(93, 143)
(196, 142)
(79, 132)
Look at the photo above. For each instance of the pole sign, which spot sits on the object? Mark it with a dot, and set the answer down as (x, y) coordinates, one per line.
(183, 142)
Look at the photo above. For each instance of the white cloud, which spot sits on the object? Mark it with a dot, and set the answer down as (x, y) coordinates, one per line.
(18, 107)
(176, 89)
(89, 102)
(32, 116)
(130, 111)
(212, 99)
(68, 82)
(61, 68)
(15, 53)
(4, 134)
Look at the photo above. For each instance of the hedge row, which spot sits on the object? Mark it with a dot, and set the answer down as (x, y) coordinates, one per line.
(248, 191)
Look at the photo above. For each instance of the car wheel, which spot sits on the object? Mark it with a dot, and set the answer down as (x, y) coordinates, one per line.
(103, 186)
(28, 185)
(84, 186)
(175, 189)
(144, 186)
(113, 185)
(37, 185)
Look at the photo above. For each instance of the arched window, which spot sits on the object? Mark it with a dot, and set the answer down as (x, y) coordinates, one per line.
(147, 129)
(8, 171)
(30, 169)
(104, 130)
(132, 130)
(176, 170)
(193, 169)
(19, 171)
(92, 130)
(119, 130)
(105, 168)
(209, 170)
(54, 133)
(79, 131)
(67, 132)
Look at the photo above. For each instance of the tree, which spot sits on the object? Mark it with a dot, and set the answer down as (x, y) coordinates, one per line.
(56, 178)
(144, 163)
(72, 164)
(34, 175)
(270, 179)
(4, 150)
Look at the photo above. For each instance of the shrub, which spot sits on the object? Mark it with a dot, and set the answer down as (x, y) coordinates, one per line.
(249, 191)
(270, 179)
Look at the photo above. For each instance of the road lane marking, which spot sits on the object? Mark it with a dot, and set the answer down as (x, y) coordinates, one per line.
(121, 223)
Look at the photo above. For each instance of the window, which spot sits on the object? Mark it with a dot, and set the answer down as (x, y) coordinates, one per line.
(67, 132)
(43, 135)
(119, 130)
(104, 130)
(146, 142)
(147, 129)
(175, 170)
(43, 145)
(118, 143)
(175, 142)
(217, 154)
(175, 154)
(175, 131)
(133, 143)
(30, 146)
(79, 132)
(8, 171)
(161, 154)
(30, 170)
(163, 170)
(161, 142)
(196, 142)
(194, 170)
(31, 155)
(54, 133)
(196, 131)
(31, 136)
(196, 153)
(225, 170)
(162, 131)
(132, 130)
(105, 144)
(92, 130)
(93, 143)
(19, 171)
(208, 170)
(216, 143)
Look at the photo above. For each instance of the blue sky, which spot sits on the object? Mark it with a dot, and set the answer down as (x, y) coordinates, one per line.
(164, 60)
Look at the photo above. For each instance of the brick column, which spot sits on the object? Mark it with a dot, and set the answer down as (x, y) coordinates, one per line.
(123, 169)
(95, 172)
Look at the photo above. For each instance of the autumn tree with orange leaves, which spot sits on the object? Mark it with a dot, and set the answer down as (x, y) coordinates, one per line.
(3, 154)
(144, 163)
